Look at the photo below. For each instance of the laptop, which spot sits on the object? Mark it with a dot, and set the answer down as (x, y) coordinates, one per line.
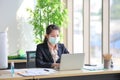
(72, 61)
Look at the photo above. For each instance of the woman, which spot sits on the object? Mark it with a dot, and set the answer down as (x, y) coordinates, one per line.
(49, 52)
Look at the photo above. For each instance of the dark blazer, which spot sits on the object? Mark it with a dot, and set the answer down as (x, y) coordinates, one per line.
(43, 56)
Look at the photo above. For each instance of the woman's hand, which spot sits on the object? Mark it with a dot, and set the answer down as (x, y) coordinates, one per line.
(55, 65)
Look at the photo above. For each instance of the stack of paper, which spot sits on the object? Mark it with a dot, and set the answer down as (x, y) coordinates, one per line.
(93, 68)
(35, 72)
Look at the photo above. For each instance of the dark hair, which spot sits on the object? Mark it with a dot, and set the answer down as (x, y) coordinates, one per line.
(49, 29)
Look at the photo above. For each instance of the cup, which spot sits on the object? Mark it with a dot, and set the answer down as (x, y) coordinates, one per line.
(107, 64)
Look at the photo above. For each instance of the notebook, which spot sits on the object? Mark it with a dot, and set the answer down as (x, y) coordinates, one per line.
(72, 61)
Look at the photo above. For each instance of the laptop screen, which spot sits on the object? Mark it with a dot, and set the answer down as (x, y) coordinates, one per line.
(72, 61)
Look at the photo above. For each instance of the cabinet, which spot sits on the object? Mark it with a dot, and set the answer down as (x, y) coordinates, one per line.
(18, 63)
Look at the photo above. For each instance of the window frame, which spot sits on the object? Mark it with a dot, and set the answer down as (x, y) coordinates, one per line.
(68, 40)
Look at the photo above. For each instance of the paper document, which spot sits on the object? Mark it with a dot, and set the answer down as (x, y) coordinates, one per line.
(93, 68)
(35, 72)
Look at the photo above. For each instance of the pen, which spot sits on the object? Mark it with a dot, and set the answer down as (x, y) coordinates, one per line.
(46, 70)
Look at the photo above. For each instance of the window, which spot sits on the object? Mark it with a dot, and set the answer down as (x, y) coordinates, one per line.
(78, 26)
(115, 30)
(95, 31)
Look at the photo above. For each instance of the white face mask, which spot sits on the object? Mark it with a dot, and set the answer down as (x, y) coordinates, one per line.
(53, 40)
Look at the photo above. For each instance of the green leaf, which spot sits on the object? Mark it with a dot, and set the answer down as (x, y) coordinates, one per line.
(47, 12)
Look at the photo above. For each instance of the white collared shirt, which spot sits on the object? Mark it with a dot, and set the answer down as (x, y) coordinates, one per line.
(54, 52)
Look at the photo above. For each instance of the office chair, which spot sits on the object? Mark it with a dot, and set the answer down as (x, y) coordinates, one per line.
(31, 59)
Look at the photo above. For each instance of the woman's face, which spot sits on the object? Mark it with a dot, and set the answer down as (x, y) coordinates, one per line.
(53, 37)
(54, 33)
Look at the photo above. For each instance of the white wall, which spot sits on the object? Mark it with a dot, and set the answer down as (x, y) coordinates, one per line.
(13, 20)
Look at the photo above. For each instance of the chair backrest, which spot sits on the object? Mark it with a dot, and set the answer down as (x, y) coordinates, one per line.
(31, 59)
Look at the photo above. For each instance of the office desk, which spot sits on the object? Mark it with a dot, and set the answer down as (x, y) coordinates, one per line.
(5, 75)
(19, 63)
(83, 75)
(68, 75)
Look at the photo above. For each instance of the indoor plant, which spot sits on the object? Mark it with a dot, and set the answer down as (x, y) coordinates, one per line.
(47, 12)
